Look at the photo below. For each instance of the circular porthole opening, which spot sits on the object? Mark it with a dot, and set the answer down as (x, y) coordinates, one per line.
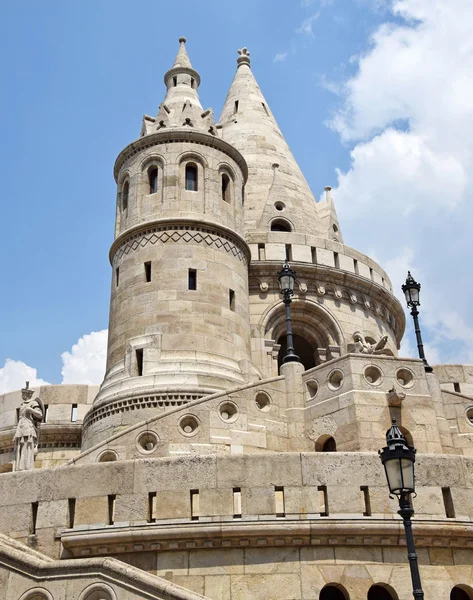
(312, 388)
(335, 380)
(228, 412)
(373, 375)
(147, 441)
(469, 415)
(279, 206)
(262, 401)
(189, 425)
(405, 378)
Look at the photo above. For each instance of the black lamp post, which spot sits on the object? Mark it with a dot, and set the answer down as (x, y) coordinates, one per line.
(398, 460)
(287, 278)
(411, 290)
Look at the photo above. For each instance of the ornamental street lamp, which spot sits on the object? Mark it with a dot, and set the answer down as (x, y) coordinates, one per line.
(287, 278)
(398, 460)
(411, 290)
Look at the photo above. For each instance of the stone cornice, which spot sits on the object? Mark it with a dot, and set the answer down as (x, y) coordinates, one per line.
(196, 225)
(168, 136)
(356, 285)
(319, 531)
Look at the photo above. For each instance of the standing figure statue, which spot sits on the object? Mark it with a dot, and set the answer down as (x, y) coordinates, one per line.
(26, 435)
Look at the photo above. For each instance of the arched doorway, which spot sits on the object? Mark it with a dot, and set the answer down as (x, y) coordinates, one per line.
(326, 443)
(381, 592)
(302, 347)
(333, 592)
(461, 593)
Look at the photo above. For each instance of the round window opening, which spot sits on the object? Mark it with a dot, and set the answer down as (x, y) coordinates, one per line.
(279, 206)
(335, 380)
(147, 441)
(228, 412)
(189, 425)
(373, 375)
(469, 415)
(405, 378)
(312, 388)
(262, 401)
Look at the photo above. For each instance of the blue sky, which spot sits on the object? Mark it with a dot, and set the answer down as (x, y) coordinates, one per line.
(360, 107)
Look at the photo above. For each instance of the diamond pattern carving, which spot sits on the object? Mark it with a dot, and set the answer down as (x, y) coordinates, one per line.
(185, 235)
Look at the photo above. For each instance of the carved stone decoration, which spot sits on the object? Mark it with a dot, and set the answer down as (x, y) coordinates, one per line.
(263, 286)
(27, 435)
(303, 287)
(320, 290)
(364, 347)
(395, 398)
(338, 294)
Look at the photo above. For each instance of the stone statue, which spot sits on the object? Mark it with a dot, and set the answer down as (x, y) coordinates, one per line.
(26, 435)
(364, 347)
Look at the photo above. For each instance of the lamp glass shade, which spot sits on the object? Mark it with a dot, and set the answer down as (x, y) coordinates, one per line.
(412, 295)
(400, 475)
(286, 278)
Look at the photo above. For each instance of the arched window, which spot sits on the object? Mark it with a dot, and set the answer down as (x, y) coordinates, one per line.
(381, 592)
(333, 592)
(280, 225)
(191, 177)
(461, 593)
(325, 443)
(153, 179)
(225, 187)
(125, 192)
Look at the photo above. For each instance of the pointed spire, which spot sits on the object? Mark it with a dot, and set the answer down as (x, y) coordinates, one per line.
(248, 124)
(328, 217)
(182, 58)
(181, 106)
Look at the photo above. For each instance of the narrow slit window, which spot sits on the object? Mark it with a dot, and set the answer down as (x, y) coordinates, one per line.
(314, 255)
(371, 274)
(194, 505)
(225, 187)
(191, 177)
(336, 260)
(192, 82)
(355, 266)
(73, 413)
(235, 107)
(457, 388)
(152, 507)
(17, 415)
(111, 509)
(46, 407)
(448, 503)
(71, 505)
(242, 195)
(231, 299)
(148, 271)
(174, 80)
(125, 193)
(365, 490)
(323, 500)
(192, 279)
(265, 108)
(279, 501)
(153, 180)
(139, 361)
(237, 503)
(288, 253)
(117, 276)
(34, 517)
(261, 252)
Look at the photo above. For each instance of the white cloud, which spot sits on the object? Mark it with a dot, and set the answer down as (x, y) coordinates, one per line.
(306, 25)
(280, 56)
(408, 192)
(85, 363)
(15, 373)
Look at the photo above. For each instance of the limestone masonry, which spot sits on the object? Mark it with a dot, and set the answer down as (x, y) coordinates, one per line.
(204, 467)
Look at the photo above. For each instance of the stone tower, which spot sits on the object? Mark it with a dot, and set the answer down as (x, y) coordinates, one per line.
(205, 467)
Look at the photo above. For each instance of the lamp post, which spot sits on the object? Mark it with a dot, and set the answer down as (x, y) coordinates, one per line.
(411, 290)
(287, 278)
(398, 460)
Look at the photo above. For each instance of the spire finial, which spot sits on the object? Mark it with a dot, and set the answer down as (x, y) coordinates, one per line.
(182, 40)
(328, 195)
(244, 58)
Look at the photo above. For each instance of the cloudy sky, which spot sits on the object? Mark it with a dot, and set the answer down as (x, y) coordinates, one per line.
(375, 97)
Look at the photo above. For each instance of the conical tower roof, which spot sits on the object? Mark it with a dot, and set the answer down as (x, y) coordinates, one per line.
(181, 106)
(247, 123)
